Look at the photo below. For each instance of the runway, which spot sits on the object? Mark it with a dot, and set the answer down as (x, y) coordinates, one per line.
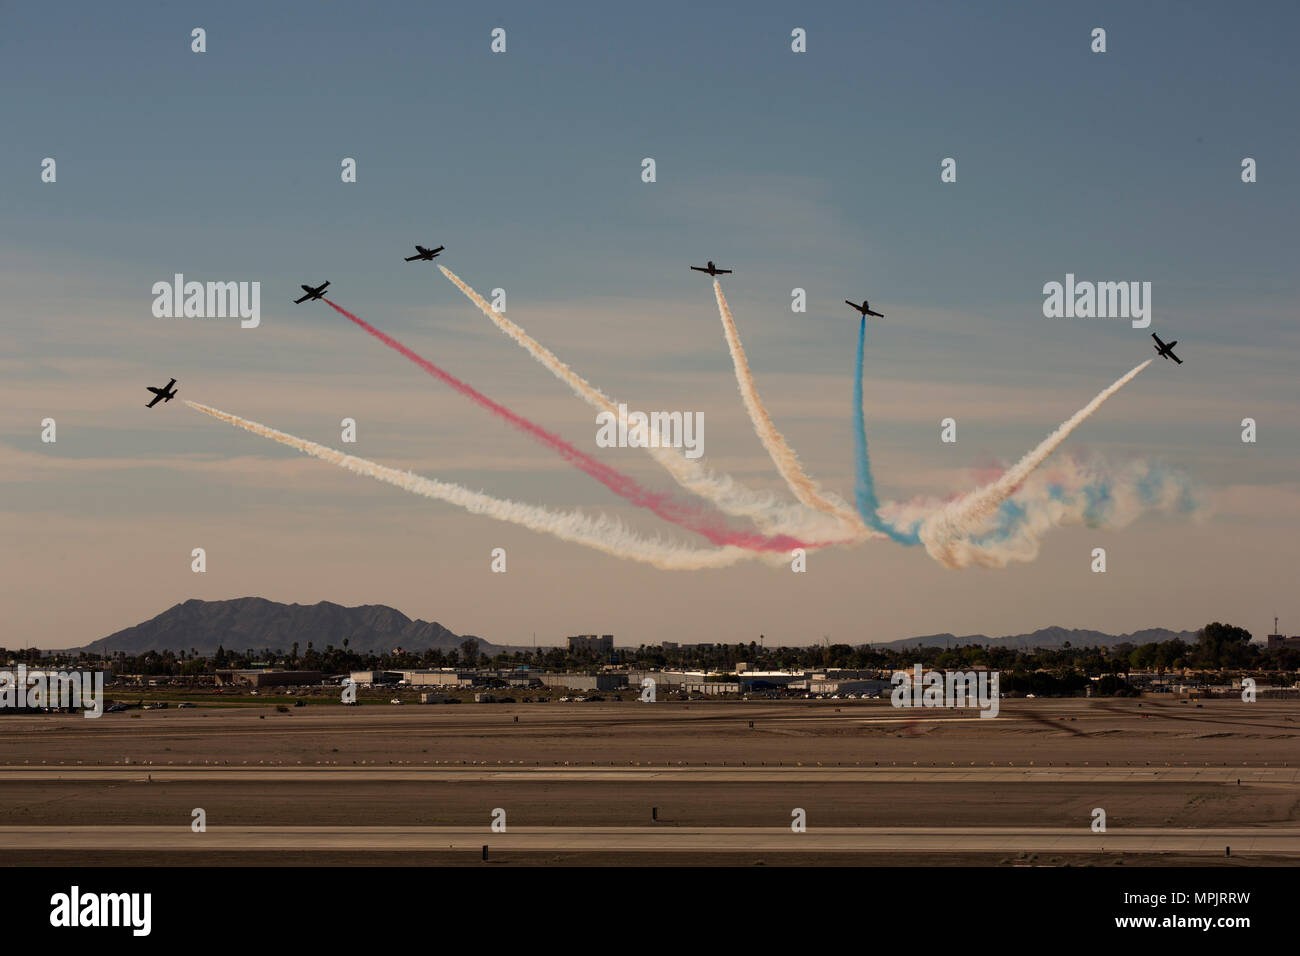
(180, 839)
(732, 775)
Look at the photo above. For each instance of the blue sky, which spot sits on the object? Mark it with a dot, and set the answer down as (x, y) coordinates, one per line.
(817, 170)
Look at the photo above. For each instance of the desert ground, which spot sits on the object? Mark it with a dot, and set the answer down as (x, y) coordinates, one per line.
(704, 782)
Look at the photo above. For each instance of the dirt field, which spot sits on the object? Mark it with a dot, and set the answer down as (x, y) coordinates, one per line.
(617, 767)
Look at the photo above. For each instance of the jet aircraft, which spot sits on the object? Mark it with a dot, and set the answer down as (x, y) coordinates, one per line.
(865, 309)
(164, 394)
(1166, 350)
(316, 293)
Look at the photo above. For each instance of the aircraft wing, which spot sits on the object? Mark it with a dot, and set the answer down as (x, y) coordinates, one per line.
(699, 269)
(1175, 358)
(156, 399)
(412, 258)
(169, 385)
(303, 299)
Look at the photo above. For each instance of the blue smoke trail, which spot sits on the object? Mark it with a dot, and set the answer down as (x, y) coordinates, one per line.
(864, 487)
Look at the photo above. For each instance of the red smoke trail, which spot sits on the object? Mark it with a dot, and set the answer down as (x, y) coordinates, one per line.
(622, 485)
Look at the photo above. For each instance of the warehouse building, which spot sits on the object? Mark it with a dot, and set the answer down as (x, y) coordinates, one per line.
(858, 687)
(585, 681)
(710, 687)
(375, 677)
(267, 678)
(438, 678)
(662, 678)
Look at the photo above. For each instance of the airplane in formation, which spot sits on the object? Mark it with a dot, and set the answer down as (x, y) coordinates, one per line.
(1166, 350)
(865, 309)
(712, 270)
(424, 254)
(164, 394)
(315, 293)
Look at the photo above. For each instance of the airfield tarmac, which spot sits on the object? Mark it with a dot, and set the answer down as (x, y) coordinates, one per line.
(669, 782)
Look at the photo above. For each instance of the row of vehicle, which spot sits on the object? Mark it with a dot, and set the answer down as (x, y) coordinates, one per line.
(491, 699)
(118, 706)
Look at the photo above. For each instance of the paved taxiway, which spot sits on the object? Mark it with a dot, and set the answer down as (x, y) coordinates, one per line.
(1242, 840)
(750, 774)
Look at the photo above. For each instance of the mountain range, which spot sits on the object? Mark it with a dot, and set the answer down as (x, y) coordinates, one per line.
(1049, 638)
(257, 623)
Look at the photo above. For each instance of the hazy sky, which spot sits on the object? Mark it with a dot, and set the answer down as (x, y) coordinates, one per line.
(817, 170)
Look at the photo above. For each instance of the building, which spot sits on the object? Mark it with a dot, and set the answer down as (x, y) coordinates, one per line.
(438, 678)
(1277, 641)
(525, 681)
(585, 681)
(846, 673)
(767, 682)
(710, 687)
(601, 646)
(375, 677)
(662, 678)
(267, 678)
(862, 688)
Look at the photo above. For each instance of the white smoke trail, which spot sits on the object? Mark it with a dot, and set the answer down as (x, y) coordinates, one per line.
(959, 533)
(1068, 492)
(948, 532)
(724, 491)
(782, 455)
(601, 533)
